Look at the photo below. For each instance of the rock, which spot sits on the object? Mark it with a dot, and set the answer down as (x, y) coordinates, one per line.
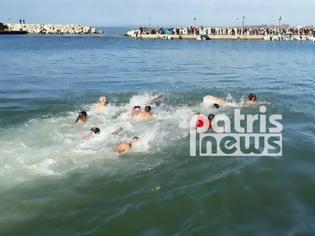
(53, 29)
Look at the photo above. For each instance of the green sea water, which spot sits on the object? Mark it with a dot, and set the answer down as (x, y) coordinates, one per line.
(52, 183)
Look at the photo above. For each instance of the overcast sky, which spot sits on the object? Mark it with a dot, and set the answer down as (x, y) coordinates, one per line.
(159, 12)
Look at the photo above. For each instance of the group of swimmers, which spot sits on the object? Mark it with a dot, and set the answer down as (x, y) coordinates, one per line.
(145, 115)
(136, 114)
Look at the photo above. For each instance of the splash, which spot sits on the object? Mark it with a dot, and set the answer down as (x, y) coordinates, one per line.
(53, 146)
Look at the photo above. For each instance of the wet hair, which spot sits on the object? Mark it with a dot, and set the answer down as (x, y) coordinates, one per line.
(252, 96)
(103, 98)
(95, 130)
(216, 105)
(82, 115)
(136, 107)
(211, 116)
(147, 109)
(133, 138)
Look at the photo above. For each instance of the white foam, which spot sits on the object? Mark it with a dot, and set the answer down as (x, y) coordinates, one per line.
(53, 146)
(230, 101)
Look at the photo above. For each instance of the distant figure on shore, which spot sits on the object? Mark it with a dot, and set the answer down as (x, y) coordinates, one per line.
(93, 132)
(146, 114)
(101, 105)
(23, 21)
(82, 118)
(20, 21)
(125, 147)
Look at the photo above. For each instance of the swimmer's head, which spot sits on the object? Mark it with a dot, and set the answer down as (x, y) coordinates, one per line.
(134, 140)
(95, 130)
(136, 110)
(147, 109)
(252, 97)
(211, 116)
(103, 100)
(82, 117)
(216, 105)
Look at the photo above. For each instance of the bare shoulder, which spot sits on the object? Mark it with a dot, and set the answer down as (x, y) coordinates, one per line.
(121, 148)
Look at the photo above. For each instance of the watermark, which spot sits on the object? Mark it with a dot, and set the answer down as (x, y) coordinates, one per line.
(242, 135)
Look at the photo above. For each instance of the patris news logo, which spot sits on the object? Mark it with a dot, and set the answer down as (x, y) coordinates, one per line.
(251, 135)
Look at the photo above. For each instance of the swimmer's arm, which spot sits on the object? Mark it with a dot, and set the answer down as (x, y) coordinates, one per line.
(87, 137)
(117, 131)
(154, 99)
(250, 104)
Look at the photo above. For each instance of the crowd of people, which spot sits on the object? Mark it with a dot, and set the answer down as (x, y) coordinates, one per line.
(246, 30)
(139, 115)
(192, 30)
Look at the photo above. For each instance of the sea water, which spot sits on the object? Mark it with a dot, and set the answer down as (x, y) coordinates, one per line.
(53, 183)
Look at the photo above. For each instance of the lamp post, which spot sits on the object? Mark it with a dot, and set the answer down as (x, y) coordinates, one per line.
(195, 22)
(243, 21)
(280, 19)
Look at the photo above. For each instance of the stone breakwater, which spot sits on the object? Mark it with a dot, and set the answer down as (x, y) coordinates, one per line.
(53, 28)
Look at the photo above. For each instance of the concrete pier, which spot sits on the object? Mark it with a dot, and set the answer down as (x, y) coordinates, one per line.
(264, 32)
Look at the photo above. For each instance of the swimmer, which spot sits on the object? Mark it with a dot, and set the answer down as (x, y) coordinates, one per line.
(217, 102)
(146, 114)
(130, 114)
(125, 147)
(93, 132)
(215, 105)
(210, 100)
(135, 111)
(101, 105)
(252, 99)
(210, 118)
(82, 118)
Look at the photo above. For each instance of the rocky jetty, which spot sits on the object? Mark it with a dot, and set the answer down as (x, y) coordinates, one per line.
(53, 28)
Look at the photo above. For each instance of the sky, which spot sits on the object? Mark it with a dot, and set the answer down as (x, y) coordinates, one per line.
(159, 12)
